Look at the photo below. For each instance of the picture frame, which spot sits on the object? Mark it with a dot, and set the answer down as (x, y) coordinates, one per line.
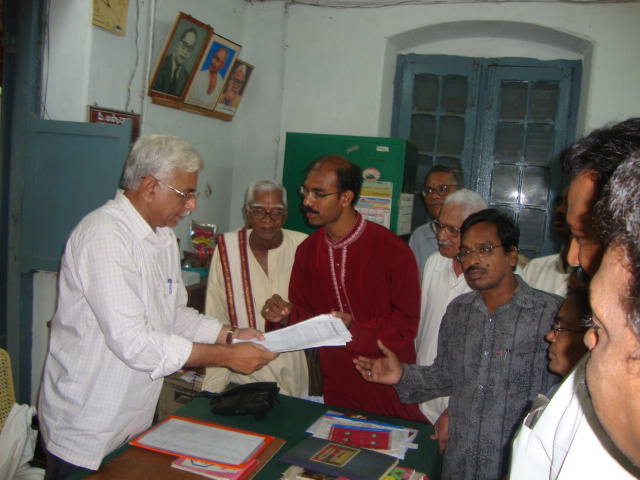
(181, 52)
(234, 89)
(213, 70)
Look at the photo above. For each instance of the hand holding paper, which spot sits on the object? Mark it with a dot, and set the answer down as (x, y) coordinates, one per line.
(321, 331)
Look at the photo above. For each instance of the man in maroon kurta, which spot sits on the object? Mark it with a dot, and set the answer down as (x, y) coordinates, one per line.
(359, 272)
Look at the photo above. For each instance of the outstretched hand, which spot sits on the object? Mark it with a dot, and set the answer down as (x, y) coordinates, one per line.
(386, 369)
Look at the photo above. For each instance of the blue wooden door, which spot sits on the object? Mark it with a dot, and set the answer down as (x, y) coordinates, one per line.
(71, 169)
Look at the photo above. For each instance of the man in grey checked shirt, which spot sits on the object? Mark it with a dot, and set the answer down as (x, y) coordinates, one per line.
(491, 352)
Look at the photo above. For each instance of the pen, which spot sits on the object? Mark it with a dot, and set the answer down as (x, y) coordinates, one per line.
(506, 352)
(170, 286)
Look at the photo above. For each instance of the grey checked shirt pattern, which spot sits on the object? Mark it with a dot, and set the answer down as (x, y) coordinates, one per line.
(492, 366)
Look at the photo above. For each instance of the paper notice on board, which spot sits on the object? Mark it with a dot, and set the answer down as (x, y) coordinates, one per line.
(111, 15)
(405, 213)
(376, 201)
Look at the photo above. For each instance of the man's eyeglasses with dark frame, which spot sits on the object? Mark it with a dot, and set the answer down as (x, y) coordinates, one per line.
(556, 328)
(441, 190)
(482, 251)
(303, 192)
(259, 213)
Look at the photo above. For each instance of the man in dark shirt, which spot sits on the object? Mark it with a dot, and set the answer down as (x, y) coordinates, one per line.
(491, 356)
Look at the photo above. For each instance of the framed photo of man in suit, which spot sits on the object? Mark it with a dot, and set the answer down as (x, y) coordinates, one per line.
(181, 52)
(212, 73)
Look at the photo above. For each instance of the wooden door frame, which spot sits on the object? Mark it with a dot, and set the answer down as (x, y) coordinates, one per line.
(20, 99)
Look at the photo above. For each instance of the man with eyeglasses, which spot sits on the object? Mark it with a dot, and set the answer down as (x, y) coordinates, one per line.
(442, 281)
(491, 356)
(172, 75)
(248, 267)
(360, 272)
(122, 322)
(439, 183)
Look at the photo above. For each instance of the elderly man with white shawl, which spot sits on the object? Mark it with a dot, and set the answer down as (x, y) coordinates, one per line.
(248, 267)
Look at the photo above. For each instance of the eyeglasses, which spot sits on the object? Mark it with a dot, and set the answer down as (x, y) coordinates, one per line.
(450, 230)
(483, 251)
(303, 192)
(442, 190)
(185, 196)
(556, 329)
(186, 46)
(276, 214)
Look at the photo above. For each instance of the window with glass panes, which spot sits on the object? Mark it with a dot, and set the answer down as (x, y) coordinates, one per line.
(503, 122)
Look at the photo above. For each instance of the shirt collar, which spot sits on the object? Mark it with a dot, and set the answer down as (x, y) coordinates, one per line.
(522, 297)
(350, 237)
(139, 226)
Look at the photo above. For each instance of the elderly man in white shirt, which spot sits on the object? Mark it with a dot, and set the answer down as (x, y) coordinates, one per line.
(439, 183)
(248, 267)
(442, 281)
(122, 323)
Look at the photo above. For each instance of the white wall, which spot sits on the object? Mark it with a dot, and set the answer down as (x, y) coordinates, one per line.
(339, 61)
(325, 70)
(321, 70)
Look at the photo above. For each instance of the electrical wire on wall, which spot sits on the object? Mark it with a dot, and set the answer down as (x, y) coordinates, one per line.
(45, 71)
(135, 67)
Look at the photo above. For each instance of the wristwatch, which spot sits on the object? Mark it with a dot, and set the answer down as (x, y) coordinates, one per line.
(230, 333)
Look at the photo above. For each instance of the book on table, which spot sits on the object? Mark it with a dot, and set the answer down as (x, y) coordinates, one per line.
(396, 473)
(211, 470)
(338, 460)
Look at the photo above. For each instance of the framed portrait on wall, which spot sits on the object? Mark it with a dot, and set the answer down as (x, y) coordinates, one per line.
(212, 72)
(182, 51)
(234, 88)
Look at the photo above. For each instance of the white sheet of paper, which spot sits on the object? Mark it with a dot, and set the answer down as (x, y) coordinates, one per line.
(321, 331)
(206, 442)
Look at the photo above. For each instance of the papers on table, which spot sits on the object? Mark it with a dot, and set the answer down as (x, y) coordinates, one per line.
(203, 441)
(321, 331)
(400, 441)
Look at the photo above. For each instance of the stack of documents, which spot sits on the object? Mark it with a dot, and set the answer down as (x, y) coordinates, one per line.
(321, 331)
(390, 439)
(204, 442)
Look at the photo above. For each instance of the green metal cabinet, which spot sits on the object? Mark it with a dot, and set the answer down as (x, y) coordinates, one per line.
(391, 161)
